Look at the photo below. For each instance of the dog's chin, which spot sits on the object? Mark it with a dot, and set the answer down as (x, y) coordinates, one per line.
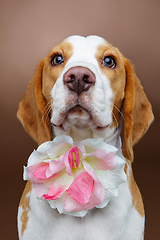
(78, 122)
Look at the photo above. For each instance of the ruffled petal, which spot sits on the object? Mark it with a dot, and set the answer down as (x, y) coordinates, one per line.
(58, 186)
(89, 169)
(67, 164)
(59, 146)
(36, 157)
(82, 150)
(91, 144)
(102, 160)
(31, 170)
(55, 166)
(81, 189)
(98, 191)
(40, 185)
(112, 179)
(25, 174)
(37, 175)
(97, 196)
(40, 173)
(54, 193)
(44, 147)
(74, 157)
(63, 139)
(73, 207)
(97, 143)
(109, 195)
(42, 188)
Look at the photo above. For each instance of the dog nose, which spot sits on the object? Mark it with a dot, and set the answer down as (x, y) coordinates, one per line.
(79, 79)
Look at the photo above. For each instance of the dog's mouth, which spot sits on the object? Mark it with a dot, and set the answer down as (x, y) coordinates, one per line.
(80, 118)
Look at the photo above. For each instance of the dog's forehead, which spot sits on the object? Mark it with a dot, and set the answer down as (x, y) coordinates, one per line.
(84, 50)
(86, 45)
(91, 42)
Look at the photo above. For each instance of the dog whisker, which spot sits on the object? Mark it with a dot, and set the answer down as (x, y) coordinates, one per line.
(48, 95)
(115, 118)
(45, 113)
(118, 110)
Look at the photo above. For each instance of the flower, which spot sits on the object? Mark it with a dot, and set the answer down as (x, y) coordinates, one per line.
(75, 177)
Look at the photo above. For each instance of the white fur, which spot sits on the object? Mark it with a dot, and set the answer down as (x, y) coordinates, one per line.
(119, 220)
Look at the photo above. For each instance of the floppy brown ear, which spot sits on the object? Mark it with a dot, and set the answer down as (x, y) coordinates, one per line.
(33, 107)
(138, 113)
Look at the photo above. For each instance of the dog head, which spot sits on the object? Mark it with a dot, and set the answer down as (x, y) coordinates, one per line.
(80, 89)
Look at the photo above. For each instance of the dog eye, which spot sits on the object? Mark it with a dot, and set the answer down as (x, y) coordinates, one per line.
(56, 60)
(109, 62)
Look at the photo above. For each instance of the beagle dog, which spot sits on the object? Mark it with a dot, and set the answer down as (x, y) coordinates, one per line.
(84, 88)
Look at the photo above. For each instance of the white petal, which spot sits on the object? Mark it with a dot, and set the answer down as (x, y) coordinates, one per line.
(98, 143)
(108, 148)
(109, 194)
(112, 179)
(44, 146)
(92, 143)
(77, 214)
(36, 157)
(25, 175)
(59, 205)
(59, 146)
(64, 139)
(58, 149)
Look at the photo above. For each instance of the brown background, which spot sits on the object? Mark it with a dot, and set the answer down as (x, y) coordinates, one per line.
(28, 30)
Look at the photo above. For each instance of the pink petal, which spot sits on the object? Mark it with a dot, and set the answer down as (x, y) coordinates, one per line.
(58, 186)
(31, 170)
(67, 164)
(98, 191)
(54, 193)
(73, 156)
(71, 205)
(90, 170)
(42, 188)
(97, 197)
(55, 166)
(81, 188)
(41, 171)
(70, 161)
(102, 160)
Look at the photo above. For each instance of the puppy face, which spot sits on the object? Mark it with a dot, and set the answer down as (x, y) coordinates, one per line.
(79, 89)
(84, 86)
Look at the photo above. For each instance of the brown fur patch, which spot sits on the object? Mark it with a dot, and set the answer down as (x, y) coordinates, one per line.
(25, 204)
(134, 190)
(31, 108)
(137, 111)
(35, 106)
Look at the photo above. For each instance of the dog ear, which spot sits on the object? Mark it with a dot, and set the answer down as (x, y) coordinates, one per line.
(138, 113)
(32, 109)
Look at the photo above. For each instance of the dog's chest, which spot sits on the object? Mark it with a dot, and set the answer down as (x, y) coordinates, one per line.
(119, 220)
